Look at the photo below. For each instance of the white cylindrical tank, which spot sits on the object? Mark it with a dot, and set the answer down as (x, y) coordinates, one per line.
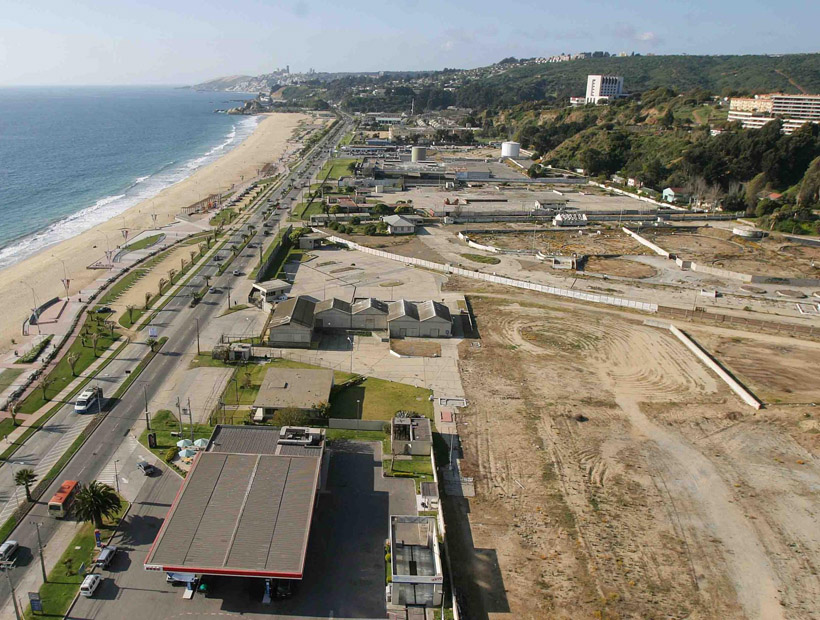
(510, 149)
(418, 153)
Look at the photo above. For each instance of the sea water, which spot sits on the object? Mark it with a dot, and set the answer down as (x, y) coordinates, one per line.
(73, 157)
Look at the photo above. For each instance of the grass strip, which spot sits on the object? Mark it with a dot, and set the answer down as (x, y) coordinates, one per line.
(8, 376)
(65, 578)
(62, 374)
(122, 285)
(478, 258)
(147, 242)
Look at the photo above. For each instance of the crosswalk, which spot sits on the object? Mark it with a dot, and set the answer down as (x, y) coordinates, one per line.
(9, 499)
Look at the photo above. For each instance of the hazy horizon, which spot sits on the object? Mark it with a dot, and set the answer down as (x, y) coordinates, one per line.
(150, 43)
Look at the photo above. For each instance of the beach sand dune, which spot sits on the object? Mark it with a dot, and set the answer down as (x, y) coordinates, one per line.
(44, 271)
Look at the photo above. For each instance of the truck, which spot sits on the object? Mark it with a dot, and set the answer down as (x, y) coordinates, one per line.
(90, 400)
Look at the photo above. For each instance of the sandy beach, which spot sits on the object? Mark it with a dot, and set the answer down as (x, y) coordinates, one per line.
(44, 271)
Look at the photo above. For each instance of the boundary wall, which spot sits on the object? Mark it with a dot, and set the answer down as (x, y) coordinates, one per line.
(479, 275)
(655, 248)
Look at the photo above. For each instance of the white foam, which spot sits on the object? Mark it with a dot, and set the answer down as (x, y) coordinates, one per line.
(107, 207)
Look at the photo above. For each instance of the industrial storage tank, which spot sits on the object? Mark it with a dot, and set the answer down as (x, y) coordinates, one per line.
(418, 153)
(510, 149)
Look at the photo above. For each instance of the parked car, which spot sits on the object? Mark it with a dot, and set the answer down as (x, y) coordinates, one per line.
(212, 289)
(104, 310)
(146, 468)
(8, 549)
(90, 585)
(236, 272)
(106, 556)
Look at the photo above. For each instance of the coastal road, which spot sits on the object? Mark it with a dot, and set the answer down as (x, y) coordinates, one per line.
(178, 322)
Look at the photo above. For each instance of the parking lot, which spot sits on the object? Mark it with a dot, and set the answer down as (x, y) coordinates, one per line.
(344, 571)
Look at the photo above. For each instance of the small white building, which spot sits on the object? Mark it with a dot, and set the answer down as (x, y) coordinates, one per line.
(675, 194)
(570, 219)
(397, 225)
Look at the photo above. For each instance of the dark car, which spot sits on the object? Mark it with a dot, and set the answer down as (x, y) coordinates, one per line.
(104, 310)
(146, 468)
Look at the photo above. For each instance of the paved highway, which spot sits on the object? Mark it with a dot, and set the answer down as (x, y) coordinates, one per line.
(177, 321)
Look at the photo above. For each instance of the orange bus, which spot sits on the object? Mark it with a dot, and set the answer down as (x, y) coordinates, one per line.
(60, 504)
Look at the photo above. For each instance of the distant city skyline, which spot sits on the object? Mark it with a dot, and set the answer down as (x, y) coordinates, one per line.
(185, 42)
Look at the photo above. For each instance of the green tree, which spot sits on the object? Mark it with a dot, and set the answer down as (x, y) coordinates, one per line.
(25, 478)
(381, 209)
(668, 119)
(72, 359)
(48, 380)
(95, 501)
(290, 416)
(370, 229)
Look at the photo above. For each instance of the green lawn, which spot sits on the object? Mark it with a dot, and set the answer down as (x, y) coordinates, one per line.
(303, 210)
(64, 579)
(62, 374)
(163, 424)
(380, 400)
(122, 285)
(478, 258)
(224, 217)
(8, 376)
(143, 243)
(266, 255)
(338, 168)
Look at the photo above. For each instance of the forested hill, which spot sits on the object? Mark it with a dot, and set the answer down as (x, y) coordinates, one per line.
(724, 75)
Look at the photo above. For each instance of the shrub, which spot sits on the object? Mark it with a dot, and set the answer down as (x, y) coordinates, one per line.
(170, 454)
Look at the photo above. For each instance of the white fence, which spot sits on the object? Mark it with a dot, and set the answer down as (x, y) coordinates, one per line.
(655, 248)
(478, 275)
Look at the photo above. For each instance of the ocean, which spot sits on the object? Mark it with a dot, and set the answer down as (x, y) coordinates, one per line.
(73, 157)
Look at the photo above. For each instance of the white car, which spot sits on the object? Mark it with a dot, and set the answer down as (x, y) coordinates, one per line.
(8, 549)
(90, 585)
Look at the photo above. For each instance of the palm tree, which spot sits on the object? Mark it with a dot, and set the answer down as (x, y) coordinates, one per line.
(95, 337)
(72, 359)
(207, 280)
(171, 274)
(162, 282)
(147, 300)
(25, 478)
(95, 501)
(192, 253)
(130, 308)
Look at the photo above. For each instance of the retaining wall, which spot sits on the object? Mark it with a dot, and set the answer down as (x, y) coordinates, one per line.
(738, 389)
(478, 246)
(655, 248)
(478, 275)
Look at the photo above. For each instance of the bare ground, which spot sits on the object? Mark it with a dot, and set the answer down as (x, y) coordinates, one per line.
(617, 477)
(619, 267)
(603, 242)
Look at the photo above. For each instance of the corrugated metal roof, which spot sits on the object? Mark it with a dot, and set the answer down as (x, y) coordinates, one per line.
(298, 310)
(241, 512)
(244, 439)
(369, 303)
(334, 302)
(430, 309)
(402, 308)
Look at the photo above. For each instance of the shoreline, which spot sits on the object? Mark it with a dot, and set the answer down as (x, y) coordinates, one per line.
(44, 270)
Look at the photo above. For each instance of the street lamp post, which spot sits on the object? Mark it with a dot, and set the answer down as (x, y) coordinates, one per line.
(198, 352)
(147, 420)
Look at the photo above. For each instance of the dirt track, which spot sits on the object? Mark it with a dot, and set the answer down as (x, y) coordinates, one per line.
(617, 477)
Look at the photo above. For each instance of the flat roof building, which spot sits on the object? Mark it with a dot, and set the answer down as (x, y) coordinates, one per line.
(306, 389)
(241, 514)
(411, 436)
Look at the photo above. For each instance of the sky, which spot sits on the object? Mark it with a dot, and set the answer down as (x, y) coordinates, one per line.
(178, 42)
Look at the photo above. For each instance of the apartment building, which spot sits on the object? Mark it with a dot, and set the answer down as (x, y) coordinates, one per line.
(794, 110)
(602, 88)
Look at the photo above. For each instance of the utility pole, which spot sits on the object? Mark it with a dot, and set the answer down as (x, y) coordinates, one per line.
(6, 568)
(229, 298)
(145, 394)
(40, 547)
(198, 352)
(116, 476)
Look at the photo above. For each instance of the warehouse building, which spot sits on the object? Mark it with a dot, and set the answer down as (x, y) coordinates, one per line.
(245, 508)
(369, 314)
(332, 314)
(292, 323)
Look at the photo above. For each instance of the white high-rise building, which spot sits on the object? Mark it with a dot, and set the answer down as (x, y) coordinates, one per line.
(602, 88)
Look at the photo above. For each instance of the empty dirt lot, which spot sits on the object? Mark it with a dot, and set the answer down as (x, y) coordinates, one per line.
(619, 267)
(610, 241)
(771, 256)
(617, 477)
